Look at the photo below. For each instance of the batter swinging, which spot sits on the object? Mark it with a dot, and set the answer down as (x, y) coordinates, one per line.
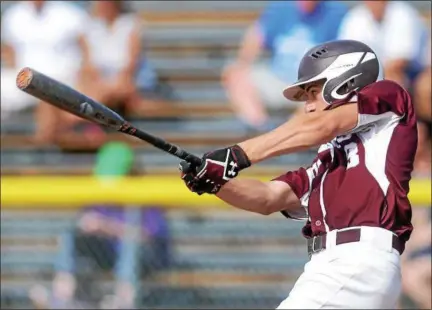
(353, 197)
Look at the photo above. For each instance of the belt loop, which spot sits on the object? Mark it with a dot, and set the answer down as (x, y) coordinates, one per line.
(331, 239)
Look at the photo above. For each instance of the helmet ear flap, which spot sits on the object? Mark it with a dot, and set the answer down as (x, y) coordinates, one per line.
(340, 87)
(324, 92)
(355, 79)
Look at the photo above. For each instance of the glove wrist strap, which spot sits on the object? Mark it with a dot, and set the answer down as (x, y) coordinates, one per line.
(240, 157)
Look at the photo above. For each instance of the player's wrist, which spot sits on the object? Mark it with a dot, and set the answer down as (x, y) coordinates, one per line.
(240, 157)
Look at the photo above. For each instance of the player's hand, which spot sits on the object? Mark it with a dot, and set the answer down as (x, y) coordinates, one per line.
(217, 168)
(194, 184)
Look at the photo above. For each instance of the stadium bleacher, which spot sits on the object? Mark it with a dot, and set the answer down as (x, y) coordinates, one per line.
(188, 46)
(207, 257)
(188, 43)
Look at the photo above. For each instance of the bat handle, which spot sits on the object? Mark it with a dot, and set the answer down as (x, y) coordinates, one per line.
(190, 158)
(161, 144)
(182, 154)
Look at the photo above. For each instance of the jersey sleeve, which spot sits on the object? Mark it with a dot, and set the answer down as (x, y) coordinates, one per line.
(300, 182)
(382, 100)
(303, 180)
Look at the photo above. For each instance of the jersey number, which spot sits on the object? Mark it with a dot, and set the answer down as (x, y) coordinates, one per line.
(351, 151)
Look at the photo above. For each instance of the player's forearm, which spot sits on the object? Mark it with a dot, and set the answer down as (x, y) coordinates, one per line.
(300, 133)
(248, 194)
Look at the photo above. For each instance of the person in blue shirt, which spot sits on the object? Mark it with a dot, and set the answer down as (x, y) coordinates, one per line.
(286, 29)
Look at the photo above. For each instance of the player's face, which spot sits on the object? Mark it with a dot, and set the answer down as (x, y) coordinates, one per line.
(315, 101)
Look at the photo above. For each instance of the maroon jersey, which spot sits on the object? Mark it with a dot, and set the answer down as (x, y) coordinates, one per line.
(362, 178)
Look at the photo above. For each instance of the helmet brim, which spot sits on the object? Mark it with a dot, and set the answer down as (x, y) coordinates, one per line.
(295, 92)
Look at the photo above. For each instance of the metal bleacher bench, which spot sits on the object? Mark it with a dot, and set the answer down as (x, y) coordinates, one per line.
(224, 252)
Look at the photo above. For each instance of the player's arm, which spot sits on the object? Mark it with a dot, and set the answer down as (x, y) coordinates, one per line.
(302, 132)
(287, 193)
(259, 197)
(382, 100)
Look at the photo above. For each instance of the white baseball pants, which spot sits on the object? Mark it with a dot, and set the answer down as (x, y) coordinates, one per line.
(357, 275)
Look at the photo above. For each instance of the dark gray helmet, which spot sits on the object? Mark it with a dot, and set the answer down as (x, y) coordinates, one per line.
(344, 65)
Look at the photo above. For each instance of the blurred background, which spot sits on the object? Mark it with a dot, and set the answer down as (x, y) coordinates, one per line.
(94, 219)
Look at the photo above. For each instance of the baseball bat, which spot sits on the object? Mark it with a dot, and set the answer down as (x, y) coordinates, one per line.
(68, 99)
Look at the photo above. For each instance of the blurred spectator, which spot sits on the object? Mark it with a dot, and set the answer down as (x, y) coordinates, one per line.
(416, 261)
(131, 242)
(287, 29)
(44, 35)
(394, 30)
(115, 70)
(423, 103)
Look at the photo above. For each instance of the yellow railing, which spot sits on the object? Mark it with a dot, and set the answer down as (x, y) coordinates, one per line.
(166, 191)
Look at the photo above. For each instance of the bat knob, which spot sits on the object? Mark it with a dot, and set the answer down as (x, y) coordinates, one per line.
(24, 78)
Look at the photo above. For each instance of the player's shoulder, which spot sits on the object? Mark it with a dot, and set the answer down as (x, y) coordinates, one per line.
(384, 89)
(384, 96)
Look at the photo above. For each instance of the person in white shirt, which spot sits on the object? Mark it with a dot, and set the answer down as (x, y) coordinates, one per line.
(397, 33)
(394, 29)
(115, 71)
(44, 35)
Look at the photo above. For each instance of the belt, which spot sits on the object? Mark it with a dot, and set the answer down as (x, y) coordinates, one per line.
(318, 243)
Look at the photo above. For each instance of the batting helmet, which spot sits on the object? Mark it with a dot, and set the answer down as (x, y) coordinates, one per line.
(344, 65)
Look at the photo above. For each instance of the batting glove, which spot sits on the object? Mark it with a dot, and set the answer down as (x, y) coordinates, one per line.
(194, 184)
(217, 168)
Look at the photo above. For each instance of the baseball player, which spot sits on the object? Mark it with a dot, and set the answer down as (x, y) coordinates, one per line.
(353, 197)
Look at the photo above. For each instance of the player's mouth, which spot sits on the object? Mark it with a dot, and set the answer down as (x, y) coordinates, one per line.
(310, 108)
